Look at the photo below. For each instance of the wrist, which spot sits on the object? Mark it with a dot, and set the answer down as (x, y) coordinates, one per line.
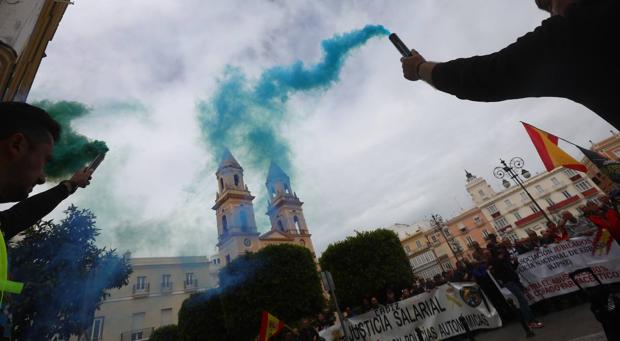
(71, 186)
(417, 69)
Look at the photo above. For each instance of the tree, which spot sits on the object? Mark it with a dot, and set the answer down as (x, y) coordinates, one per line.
(165, 333)
(202, 317)
(66, 277)
(367, 265)
(281, 279)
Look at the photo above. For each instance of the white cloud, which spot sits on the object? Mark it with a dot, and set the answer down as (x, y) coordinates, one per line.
(373, 150)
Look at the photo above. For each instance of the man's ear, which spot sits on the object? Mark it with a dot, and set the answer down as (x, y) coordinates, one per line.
(17, 144)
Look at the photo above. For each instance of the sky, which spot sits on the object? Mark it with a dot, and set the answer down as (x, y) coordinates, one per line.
(370, 150)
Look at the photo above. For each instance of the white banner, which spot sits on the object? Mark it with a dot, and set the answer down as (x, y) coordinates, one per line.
(436, 315)
(544, 272)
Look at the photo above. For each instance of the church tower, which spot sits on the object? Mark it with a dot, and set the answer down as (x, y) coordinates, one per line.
(478, 189)
(236, 225)
(284, 208)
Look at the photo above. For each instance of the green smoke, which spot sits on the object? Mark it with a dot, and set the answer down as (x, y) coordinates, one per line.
(73, 150)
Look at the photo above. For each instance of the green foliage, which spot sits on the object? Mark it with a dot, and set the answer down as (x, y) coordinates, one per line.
(165, 333)
(202, 317)
(66, 277)
(281, 279)
(367, 264)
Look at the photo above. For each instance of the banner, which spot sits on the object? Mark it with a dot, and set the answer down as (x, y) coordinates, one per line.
(544, 272)
(435, 315)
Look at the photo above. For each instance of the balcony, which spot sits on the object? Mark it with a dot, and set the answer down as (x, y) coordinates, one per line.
(590, 192)
(137, 335)
(166, 287)
(563, 203)
(530, 218)
(505, 228)
(191, 285)
(141, 291)
(575, 177)
(496, 214)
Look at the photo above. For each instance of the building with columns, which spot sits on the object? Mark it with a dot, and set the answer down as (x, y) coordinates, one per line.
(234, 211)
(26, 27)
(512, 213)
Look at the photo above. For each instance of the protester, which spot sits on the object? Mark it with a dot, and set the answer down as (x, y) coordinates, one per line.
(27, 137)
(554, 60)
(608, 219)
(503, 269)
(576, 227)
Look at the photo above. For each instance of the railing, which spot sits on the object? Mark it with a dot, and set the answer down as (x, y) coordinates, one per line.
(496, 214)
(137, 335)
(190, 285)
(166, 287)
(141, 291)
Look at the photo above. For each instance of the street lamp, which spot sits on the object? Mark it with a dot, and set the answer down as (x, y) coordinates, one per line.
(510, 170)
(438, 222)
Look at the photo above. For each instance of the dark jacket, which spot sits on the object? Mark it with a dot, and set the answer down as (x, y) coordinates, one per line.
(572, 56)
(26, 213)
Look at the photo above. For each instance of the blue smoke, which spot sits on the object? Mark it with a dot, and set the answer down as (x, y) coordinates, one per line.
(249, 115)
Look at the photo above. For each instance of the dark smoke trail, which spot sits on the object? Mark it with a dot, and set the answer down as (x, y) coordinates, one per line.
(73, 151)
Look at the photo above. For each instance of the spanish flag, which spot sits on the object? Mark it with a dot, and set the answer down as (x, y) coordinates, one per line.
(547, 146)
(269, 326)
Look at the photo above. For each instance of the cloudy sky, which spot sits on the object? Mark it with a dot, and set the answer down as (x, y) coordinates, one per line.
(370, 151)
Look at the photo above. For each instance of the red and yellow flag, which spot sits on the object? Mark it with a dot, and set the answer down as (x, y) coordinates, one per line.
(547, 146)
(269, 326)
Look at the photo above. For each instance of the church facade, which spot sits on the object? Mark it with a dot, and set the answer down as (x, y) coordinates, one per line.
(234, 211)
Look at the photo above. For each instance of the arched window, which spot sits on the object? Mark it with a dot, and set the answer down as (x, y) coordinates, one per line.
(224, 224)
(236, 180)
(296, 221)
(280, 226)
(221, 184)
(243, 216)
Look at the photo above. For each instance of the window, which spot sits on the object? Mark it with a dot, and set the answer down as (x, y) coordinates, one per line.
(492, 208)
(224, 224)
(456, 246)
(549, 201)
(296, 221)
(481, 193)
(501, 223)
(286, 189)
(583, 185)
(512, 236)
(280, 226)
(165, 281)
(189, 278)
(508, 203)
(236, 180)
(539, 189)
(534, 208)
(97, 330)
(434, 238)
(227, 259)
(243, 219)
(418, 244)
(555, 181)
(485, 233)
(407, 248)
(469, 240)
(446, 232)
(524, 196)
(221, 184)
(166, 317)
(141, 283)
(517, 216)
(137, 325)
(566, 194)
(477, 220)
(569, 172)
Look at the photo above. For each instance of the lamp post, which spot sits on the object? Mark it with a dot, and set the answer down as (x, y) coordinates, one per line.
(510, 170)
(438, 222)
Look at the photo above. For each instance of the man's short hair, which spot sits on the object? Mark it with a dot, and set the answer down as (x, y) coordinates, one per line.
(33, 122)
